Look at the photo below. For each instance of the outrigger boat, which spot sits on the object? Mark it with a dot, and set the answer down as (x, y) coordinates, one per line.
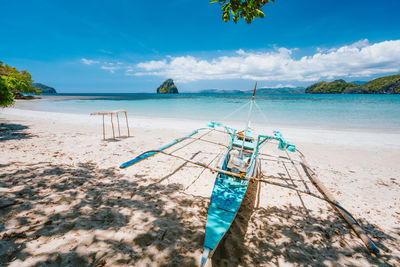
(239, 165)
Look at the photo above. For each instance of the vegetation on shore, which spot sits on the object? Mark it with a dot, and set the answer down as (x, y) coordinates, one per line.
(335, 87)
(167, 87)
(13, 83)
(383, 85)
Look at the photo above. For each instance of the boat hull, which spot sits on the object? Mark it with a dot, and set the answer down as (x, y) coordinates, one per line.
(226, 198)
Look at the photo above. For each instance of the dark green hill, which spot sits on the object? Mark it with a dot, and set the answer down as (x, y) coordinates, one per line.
(44, 88)
(335, 87)
(383, 85)
(167, 87)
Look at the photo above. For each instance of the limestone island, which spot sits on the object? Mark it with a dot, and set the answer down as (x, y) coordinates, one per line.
(167, 87)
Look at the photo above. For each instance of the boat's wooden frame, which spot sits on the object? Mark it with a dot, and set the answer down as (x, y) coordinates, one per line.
(223, 206)
(267, 179)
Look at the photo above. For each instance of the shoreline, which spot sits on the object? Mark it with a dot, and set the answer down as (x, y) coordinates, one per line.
(366, 138)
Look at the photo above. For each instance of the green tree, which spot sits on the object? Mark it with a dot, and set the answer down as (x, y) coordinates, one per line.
(6, 97)
(13, 82)
(237, 9)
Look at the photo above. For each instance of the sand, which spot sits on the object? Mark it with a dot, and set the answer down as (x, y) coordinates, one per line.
(64, 200)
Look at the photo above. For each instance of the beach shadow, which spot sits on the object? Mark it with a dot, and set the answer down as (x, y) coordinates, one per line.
(112, 140)
(164, 221)
(116, 139)
(230, 250)
(287, 236)
(98, 200)
(13, 131)
(292, 235)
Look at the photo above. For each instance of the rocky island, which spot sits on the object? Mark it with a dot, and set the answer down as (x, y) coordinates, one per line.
(167, 87)
(384, 85)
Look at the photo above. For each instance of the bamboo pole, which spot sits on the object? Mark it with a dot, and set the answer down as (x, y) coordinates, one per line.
(119, 131)
(104, 130)
(112, 125)
(127, 126)
(327, 196)
(208, 141)
(297, 170)
(335, 204)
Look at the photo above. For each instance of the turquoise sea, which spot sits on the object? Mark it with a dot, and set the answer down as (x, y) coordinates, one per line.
(373, 112)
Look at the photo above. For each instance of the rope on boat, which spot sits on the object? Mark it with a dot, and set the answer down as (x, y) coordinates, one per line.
(209, 141)
(202, 171)
(298, 172)
(326, 197)
(261, 112)
(313, 178)
(236, 110)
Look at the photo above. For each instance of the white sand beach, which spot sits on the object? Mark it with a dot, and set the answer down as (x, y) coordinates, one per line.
(65, 201)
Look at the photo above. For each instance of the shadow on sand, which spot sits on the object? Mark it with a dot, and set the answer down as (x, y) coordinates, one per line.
(12, 131)
(294, 235)
(171, 223)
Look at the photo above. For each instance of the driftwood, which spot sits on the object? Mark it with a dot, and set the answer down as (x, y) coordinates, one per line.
(111, 113)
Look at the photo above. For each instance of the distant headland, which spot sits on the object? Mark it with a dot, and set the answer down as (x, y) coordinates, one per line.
(383, 85)
(44, 89)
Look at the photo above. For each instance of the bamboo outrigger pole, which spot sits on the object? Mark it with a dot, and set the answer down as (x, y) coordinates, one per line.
(327, 196)
(336, 205)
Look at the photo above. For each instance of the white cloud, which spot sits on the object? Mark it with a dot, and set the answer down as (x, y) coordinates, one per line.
(110, 68)
(360, 59)
(280, 85)
(89, 61)
(105, 51)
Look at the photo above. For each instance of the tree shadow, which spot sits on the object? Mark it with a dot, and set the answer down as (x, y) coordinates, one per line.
(295, 235)
(13, 131)
(231, 250)
(87, 216)
(97, 200)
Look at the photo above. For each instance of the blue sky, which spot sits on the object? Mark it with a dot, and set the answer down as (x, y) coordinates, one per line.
(132, 46)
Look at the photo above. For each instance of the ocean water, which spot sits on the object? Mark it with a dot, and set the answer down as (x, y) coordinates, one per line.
(373, 112)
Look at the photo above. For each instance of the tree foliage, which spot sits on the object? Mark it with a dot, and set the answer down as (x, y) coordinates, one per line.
(13, 82)
(383, 85)
(6, 97)
(238, 9)
(335, 87)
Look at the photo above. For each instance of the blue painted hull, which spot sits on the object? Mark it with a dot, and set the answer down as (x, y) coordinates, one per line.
(226, 198)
